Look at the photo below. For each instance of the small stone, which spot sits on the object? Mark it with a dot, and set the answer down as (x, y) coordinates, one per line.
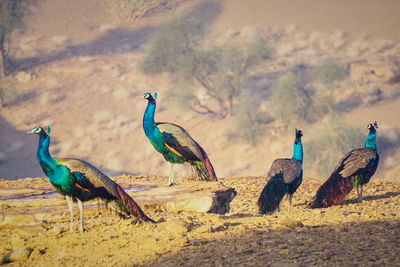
(218, 228)
(17, 255)
(284, 252)
(56, 230)
(203, 229)
(195, 242)
(174, 226)
(292, 224)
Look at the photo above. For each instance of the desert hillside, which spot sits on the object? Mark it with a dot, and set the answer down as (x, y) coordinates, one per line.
(77, 68)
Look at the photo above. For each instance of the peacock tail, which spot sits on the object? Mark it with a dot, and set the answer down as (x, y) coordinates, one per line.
(204, 168)
(272, 194)
(129, 206)
(333, 191)
(101, 186)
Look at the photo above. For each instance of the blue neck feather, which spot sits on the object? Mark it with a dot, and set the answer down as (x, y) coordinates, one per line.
(298, 151)
(45, 160)
(43, 148)
(370, 142)
(148, 118)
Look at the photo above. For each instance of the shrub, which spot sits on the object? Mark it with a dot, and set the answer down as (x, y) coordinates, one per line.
(171, 48)
(329, 71)
(328, 143)
(248, 122)
(217, 71)
(290, 103)
(7, 90)
(12, 13)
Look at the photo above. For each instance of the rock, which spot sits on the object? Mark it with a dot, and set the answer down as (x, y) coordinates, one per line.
(292, 224)
(211, 197)
(174, 226)
(23, 77)
(203, 229)
(17, 255)
(284, 252)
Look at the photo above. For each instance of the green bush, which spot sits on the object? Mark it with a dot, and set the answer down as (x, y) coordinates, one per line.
(248, 122)
(171, 47)
(290, 103)
(12, 13)
(328, 142)
(329, 71)
(8, 89)
(218, 71)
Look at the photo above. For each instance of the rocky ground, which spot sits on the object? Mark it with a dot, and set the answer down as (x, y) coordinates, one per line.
(363, 234)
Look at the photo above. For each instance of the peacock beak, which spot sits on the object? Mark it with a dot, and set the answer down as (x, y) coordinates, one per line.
(31, 131)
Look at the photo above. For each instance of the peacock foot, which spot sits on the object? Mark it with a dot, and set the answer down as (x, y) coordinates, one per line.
(172, 183)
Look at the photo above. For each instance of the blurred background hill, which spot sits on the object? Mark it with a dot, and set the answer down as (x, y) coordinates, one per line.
(239, 77)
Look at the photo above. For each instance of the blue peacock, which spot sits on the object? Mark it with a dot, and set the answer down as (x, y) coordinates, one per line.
(77, 179)
(355, 169)
(175, 144)
(284, 177)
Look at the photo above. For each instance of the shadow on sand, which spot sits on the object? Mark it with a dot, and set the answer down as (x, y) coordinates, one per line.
(355, 243)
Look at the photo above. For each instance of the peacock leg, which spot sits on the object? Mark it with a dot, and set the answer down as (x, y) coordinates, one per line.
(290, 203)
(80, 205)
(360, 196)
(171, 174)
(71, 211)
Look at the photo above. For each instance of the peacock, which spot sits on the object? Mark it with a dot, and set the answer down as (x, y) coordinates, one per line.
(355, 169)
(284, 177)
(77, 179)
(175, 144)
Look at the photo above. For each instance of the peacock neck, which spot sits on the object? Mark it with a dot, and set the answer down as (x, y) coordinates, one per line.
(370, 142)
(298, 151)
(44, 158)
(148, 119)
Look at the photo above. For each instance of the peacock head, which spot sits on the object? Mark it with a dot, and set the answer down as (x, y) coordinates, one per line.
(40, 131)
(299, 134)
(372, 127)
(150, 98)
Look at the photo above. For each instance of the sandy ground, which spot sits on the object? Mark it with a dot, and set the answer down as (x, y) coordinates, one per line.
(356, 234)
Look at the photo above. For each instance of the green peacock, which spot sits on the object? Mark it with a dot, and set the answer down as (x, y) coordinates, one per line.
(175, 144)
(77, 179)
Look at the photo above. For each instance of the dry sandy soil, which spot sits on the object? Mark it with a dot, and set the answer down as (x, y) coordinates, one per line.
(356, 234)
(79, 73)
